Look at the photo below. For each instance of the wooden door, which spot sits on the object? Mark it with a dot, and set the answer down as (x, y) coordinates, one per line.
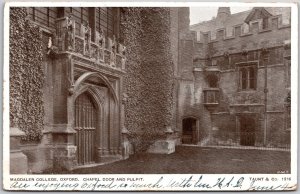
(85, 126)
(189, 131)
(247, 131)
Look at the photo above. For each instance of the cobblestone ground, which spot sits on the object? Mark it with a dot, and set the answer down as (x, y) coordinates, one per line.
(196, 160)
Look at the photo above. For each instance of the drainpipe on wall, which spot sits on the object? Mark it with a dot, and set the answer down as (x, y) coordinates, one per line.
(265, 58)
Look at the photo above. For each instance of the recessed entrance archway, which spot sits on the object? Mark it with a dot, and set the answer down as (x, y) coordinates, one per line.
(93, 101)
(189, 130)
(85, 126)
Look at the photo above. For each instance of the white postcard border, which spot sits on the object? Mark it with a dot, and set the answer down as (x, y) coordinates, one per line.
(278, 181)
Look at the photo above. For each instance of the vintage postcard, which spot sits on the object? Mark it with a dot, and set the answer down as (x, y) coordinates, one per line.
(140, 96)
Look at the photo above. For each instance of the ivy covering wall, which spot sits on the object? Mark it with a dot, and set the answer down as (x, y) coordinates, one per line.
(26, 75)
(149, 82)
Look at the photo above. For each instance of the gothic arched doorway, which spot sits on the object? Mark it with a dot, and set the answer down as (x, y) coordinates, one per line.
(85, 126)
(189, 131)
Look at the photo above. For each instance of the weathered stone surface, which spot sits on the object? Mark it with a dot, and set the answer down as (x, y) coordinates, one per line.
(163, 147)
(40, 157)
(221, 43)
(126, 149)
(18, 160)
(18, 163)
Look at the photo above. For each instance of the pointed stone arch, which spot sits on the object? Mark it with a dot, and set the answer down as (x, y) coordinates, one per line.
(92, 91)
(103, 78)
(105, 99)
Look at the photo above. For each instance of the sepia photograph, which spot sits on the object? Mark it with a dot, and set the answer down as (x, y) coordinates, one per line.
(133, 91)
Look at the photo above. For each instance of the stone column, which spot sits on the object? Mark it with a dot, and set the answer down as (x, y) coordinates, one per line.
(103, 150)
(64, 148)
(18, 160)
(63, 133)
(112, 127)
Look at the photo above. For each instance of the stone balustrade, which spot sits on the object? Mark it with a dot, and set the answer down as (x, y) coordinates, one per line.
(103, 50)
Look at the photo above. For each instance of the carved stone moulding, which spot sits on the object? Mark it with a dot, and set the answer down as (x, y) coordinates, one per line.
(79, 45)
(104, 49)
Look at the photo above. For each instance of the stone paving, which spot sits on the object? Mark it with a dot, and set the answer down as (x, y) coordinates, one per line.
(199, 160)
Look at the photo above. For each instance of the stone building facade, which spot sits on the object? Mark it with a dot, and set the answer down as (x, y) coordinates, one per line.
(234, 79)
(92, 85)
(105, 90)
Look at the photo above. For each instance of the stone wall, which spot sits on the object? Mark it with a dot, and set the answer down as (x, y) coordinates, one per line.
(220, 125)
(224, 123)
(190, 105)
(174, 40)
(149, 82)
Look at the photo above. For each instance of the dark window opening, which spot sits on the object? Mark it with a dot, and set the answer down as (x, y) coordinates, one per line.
(248, 77)
(104, 21)
(288, 118)
(251, 78)
(275, 23)
(237, 31)
(288, 80)
(244, 78)
(213, 81)
(211, 96)
(220, 35)
(205, 37)
(45, 16)
(265, 23)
